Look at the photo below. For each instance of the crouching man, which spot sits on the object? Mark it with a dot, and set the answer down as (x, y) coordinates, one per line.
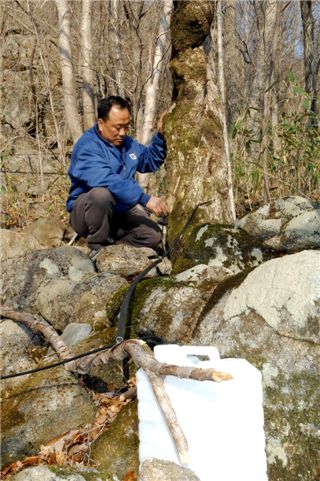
(105, 203)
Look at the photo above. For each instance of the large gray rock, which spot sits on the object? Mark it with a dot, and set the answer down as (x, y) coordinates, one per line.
(269, 317)
(16, 244)
(15, 357)
(125, 260)
(47, 230)
(290, 224)
(17, 110)
(41, 234)
(272, 320)
(39, 409)
(22, 277)
(160, 470)
(285, 293)
(94, 300)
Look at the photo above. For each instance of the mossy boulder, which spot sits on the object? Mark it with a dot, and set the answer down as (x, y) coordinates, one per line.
(267, 320)
(125, 260)
(116, 451)
(172, 308)
(220, 246)
(63, 286)
(22, 277)
(39, 409)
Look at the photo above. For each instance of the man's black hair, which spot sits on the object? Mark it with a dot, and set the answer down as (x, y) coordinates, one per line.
(106, 104)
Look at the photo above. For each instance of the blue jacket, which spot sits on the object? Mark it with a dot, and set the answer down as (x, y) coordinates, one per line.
(97, 163)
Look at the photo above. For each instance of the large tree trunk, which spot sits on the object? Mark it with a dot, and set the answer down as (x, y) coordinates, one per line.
(87, 71)
(196, 168)
(152, 87)
(69, 90)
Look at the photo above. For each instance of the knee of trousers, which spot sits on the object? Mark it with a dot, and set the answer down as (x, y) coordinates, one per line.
(154, 237)
(100, 196)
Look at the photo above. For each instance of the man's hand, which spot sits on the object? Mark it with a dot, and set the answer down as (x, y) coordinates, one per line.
(157, 206)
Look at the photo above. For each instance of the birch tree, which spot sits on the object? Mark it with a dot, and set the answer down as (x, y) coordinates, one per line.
(224, 108)
(87, 71)
(152, 86)
(69, 91)
(270, 37)
(117, 87)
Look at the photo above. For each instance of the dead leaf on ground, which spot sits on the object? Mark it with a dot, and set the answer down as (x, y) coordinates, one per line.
(130, 476)
(73, 446)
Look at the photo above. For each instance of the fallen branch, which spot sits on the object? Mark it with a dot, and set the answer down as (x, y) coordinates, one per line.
(142, 356)
(34, 323)
(170, 416)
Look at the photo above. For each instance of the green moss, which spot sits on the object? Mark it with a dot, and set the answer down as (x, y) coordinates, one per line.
(140, 296)
(193, 252)
(114, 303)
(66, 471)
(100, 338)
(116, 451)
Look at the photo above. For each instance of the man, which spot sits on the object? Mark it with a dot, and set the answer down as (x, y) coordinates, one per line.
(105, 202)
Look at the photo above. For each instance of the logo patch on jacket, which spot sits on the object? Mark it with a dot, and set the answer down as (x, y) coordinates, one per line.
(133, 156)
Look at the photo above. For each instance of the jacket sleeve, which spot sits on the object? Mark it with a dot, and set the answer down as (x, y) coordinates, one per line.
(152, 157)
(89, 167)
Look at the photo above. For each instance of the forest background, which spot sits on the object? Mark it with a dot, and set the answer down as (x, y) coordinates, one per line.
(58, 58)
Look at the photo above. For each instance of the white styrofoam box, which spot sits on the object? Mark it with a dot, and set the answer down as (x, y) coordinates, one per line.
(222, 422)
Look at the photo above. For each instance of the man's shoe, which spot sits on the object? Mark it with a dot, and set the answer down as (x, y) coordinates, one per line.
(96, 248)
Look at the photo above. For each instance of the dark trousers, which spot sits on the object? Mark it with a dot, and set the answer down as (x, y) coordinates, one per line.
(93, 217)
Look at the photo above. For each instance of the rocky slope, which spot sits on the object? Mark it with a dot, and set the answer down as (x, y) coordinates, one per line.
(229, 289)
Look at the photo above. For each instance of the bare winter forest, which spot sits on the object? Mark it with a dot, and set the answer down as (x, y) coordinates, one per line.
(59, 57)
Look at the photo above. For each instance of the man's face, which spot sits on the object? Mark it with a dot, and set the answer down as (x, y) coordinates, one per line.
(115, 128)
